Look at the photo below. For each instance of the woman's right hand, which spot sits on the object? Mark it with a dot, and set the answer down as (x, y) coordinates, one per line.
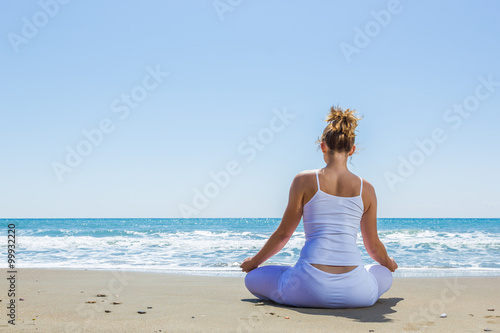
(392, 265)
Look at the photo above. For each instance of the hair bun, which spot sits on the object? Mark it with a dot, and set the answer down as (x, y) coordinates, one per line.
(339, 134)
(343, 122)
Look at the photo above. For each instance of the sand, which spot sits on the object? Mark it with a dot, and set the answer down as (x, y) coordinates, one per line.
(56, 301)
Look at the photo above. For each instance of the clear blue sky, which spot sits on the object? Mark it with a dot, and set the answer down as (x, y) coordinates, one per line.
(409, 68)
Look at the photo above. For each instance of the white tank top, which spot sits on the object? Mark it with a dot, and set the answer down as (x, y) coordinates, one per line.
(331, 225)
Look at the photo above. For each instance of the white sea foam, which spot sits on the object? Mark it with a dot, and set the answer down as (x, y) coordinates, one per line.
(209, 252)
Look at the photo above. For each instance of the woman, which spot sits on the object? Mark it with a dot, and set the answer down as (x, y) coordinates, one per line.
(334, 204)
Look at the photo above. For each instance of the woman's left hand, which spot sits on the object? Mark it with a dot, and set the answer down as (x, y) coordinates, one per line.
(247, 265)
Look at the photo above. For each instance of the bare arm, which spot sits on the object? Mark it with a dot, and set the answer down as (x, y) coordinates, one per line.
(289, 222)
(375, 248)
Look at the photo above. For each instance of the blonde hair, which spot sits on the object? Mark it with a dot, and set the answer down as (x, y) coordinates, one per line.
(339, 134)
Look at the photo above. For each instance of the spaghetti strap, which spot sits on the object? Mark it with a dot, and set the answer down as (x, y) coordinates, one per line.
(317, 178)
(361, 189)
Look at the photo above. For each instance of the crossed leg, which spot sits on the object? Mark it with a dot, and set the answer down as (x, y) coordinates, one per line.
(263, 282)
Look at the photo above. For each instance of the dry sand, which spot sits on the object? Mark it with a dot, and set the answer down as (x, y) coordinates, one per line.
(56, 301)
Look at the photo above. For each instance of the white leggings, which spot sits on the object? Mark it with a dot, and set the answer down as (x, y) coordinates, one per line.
(304, 285)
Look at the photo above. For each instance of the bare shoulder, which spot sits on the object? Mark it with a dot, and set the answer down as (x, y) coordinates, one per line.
(368, 196)
(368, 187)
(304, 177)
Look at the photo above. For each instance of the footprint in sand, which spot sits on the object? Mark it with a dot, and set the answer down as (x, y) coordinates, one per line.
(496, 319)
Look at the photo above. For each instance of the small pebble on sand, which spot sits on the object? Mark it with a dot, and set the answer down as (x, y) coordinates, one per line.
(150, 307)
(491, 309)
(443, 315)
(116, 303)
(141, 312)
(21, 299)
(107, 311)
(487, 330)
(287, 317)
(91, 302)
(101, 295)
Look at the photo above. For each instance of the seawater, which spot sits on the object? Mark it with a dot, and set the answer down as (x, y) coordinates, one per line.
(422, 247)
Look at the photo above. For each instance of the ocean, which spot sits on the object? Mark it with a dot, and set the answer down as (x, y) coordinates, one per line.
(216, 247)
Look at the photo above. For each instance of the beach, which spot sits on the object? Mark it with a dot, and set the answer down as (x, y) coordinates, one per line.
(150, 149)
(64, 300)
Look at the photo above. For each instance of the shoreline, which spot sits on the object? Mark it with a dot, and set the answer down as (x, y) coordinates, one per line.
(401, 273)
(56, 300)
